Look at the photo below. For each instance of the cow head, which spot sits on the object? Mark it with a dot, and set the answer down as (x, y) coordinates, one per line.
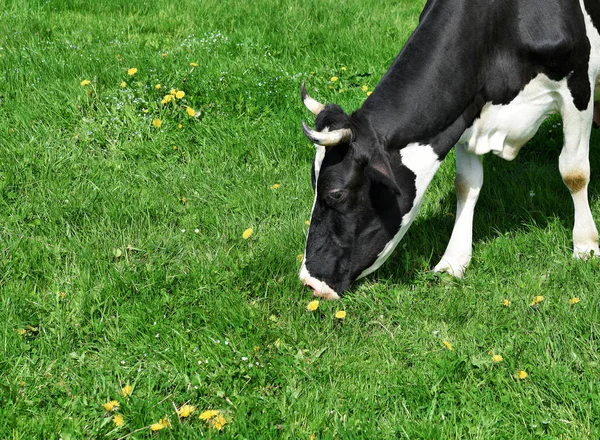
(364, 196)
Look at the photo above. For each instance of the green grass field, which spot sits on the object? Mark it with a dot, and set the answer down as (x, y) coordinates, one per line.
(122, 260)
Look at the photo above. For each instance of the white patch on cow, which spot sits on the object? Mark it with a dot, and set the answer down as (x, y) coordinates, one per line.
(504, 129)
(320, 287)
(421, 160)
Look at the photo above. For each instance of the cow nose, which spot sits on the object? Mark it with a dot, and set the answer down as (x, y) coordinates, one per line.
(321, 289)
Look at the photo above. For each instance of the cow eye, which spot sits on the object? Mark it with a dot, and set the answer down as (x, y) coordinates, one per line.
(336, 196)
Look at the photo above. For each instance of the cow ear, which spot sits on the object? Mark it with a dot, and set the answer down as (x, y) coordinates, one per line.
(379, 169)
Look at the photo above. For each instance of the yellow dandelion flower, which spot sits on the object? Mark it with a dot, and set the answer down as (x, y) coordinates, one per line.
(156, 427)
(180, 94)
(85, 82)
(506, 302)
(167, 99)
(174, 147)
(448, 345)
(156, 123)
(313, 305)
(118, 420)
(538, 299)
(206, 415)
(334, 78)
(163, 55)
(180, 126)
(521, 374)
(256, 348)
(172, 92)
(247, 233)
(63, 294)
(123, 84)
(194, 64)
(340, 314)
(369, 93)
(126, 391)
(312, 437)
(218, 422)
(307, 222)
(145, 110)
(574, 300)
(343, 67)
(110, 406)
(21, 331)
(300, 257)
(157, 86)
(275, 186)
(364, 88)
(132, 71)
(185, 410)
(190, 111)
(497, 358)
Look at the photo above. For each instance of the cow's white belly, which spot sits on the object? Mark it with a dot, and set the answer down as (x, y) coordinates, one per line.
(504, 129)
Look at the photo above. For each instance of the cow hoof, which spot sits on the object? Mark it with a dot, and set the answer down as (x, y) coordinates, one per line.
(455, 269)
(586, 252)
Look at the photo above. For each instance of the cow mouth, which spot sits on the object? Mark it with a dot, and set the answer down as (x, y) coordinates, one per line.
(319, 288)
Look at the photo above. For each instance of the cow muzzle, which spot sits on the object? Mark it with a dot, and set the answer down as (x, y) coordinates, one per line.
(320, 288)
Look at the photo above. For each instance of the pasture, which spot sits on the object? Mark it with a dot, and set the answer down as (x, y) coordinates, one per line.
(125, 276)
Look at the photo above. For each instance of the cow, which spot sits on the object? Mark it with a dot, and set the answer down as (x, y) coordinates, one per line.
(479, 76)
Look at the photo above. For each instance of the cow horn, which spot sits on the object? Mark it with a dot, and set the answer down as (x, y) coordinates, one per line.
(312, 104)
(327, 138)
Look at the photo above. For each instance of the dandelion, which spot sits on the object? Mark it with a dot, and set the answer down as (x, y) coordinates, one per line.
(163, 55)
(574, 300)
(110, 406)
(179, 126)
(369, 93)
(167, 99)
(157, 86)
(190, 111)
(538, 299)
(218, 422)
(126, 391)
(521, 374)
(206, 415)
(247, 233)
(343, 67)
(334, 78)
(132, 71)
(194, 64)
(180, 94)
(275, 186)
(300, 257)
(21, 331)
(307, 222)
(162, 424)
(364, 88)
(448, 345)
(185, 410)
(172, 92)
(340, 314)
(497, 358)
(156, 123)
(118, 420)
(256, 348)
(506, 302)
(175, 147)
(63, 294)
(123, 84)
(85, 82)
(313, 305)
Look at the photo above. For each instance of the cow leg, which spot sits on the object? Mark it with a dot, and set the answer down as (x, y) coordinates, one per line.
(468, 182)
(574, 166)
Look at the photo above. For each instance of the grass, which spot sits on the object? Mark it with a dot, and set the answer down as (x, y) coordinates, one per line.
(122, 259)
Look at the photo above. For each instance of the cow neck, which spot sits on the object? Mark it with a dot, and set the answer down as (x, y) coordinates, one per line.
(415, 102)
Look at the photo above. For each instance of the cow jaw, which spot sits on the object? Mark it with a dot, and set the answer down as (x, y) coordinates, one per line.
(424, 163)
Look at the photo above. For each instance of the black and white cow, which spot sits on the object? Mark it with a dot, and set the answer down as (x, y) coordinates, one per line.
(480, 75)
